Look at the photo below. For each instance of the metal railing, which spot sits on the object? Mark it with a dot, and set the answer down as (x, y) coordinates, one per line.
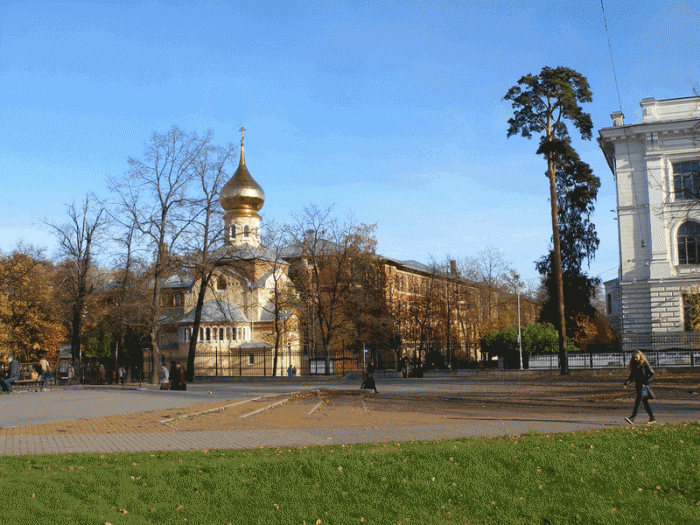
(258, 362)
(615, 360)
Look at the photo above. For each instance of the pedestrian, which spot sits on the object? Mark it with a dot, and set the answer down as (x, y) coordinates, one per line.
(641, 373)
(294, 371)
(101, 375)
(45, 373)
(70, 373)
(122, 375)
(13, 375)
(180, 374)
(368, 378)
(289, 371)
(174, 376)
(164, 375)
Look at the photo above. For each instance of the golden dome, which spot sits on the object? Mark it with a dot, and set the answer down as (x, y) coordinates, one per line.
(242, 195)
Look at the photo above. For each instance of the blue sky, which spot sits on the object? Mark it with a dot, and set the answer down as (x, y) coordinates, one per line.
(390, 110)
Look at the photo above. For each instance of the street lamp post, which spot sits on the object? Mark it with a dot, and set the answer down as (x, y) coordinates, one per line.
(520, 339)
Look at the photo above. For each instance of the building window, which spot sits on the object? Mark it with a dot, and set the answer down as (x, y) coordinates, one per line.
(688, 243)
(201, 334)
(246, 231)
(178, 300)
(233, 333)
(686, 179)
(221, 334)
(233, 232)
(251, 359)
(208, 332)
(691, 312)
(609, 303)
(221, 283)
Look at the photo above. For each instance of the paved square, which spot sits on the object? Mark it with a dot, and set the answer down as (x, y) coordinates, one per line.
(315, 412)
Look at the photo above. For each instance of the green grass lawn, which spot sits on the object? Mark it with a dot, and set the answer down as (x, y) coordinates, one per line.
(645, 475)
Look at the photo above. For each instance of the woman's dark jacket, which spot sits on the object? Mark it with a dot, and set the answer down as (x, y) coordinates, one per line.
(13, 371)
(641, 375)
(174, 375)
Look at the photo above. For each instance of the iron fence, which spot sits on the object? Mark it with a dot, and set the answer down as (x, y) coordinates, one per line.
(259, 362)
(615, 360)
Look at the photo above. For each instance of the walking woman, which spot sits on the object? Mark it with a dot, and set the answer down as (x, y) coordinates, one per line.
(641, 373)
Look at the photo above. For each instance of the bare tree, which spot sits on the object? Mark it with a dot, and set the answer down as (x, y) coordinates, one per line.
(325, 251)
(205, 253)
(77, 240)
(489, 269)
(154, 195)
(127, 296)
(284, 299)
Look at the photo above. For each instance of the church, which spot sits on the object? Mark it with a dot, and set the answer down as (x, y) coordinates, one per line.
(656, 164)
(237, 333)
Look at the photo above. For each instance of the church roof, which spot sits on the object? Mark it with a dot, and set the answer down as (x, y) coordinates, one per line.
(253, 345)
(171, 316)
(268, 313)
(310, 245)
(176, 281)
(218, 311)
(241, 193)
(247, 252)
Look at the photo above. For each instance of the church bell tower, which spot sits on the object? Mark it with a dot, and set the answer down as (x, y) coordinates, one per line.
(242, 198)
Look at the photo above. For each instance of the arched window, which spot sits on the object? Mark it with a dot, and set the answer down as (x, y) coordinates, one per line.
(246, 230)
(233, 231)
(689, 243)
(201, 334)
(221, 283)
(221, 334)
(233, 334)
(208, 332)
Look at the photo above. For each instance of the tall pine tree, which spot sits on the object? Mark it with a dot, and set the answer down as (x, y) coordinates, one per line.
(577, 189)
(542, 105)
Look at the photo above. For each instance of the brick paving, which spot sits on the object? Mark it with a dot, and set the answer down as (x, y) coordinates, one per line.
(63, 421)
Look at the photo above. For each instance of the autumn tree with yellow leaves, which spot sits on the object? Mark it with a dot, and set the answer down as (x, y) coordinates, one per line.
(30, 326)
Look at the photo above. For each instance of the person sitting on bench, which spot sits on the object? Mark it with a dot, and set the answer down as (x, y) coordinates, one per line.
(6, 384)
(368, 378)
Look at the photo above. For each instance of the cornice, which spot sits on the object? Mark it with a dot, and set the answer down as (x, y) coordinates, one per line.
(662, 128)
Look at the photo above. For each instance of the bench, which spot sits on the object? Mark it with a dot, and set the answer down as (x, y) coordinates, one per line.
(38, 383)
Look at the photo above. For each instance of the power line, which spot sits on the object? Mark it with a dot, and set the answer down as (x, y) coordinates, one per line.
(635, 198)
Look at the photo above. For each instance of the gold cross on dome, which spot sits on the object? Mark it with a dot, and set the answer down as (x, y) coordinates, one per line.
(242, 130)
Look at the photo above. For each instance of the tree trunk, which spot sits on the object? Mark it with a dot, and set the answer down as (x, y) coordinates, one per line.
(558, 277)
(155, 320)
(277, 341)
(75, 330)
(204, 283)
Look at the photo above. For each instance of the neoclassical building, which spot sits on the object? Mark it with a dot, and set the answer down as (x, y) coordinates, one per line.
(656, 165)
(237, 329)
